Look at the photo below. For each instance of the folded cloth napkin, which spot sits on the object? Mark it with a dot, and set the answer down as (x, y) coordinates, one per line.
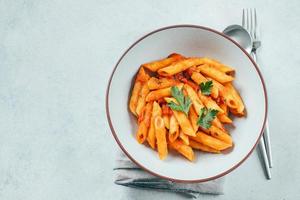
(130, 175)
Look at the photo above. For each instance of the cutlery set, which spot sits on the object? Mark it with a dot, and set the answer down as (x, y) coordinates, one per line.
(247, 36)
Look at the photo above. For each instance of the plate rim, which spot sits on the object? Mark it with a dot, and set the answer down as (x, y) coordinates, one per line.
(145, 168)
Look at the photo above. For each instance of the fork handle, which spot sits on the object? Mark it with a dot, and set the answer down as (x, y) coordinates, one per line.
(265, 157)
(266, 134)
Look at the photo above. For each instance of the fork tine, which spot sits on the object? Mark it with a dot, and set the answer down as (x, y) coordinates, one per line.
(246, 21)
(255, 23)
(248, 24)
(251, 22)
(243, 18)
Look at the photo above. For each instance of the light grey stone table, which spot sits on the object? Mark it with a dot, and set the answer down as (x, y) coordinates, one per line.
(55, 60)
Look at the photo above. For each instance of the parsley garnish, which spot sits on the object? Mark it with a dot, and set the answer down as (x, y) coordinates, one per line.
(206, 87)
(206, 116)
(184, 102)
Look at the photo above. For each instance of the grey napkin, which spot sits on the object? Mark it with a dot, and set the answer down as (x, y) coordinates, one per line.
(130, 175)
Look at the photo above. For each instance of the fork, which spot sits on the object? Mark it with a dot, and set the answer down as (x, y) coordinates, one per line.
(249, 22)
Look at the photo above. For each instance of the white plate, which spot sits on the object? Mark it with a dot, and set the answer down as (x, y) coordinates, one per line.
(188, 40)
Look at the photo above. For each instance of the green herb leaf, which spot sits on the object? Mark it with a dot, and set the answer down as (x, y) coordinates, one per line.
(174, 106)
(206, 87)
(206, 116)
(184, 103)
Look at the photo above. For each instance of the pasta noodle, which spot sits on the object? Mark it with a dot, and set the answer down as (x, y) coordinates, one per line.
(219, 66)
(183, 121)
(199, 78)
(134, 97)
(215, 74)
(145, 123)
(183, 149)
(156, 65)
(174, 129)
(202, 147)
(156, 111)
(193, 118)
(197, 104)
(166, 121)
(240, 105)
(182, 103)
(220, 134)
(179, 66)
(226, 95)
(142, 76)
(160, 93)
(160, 83)
(142, 99)
(184, 138)
(210, 141)
(209, 103)
(160, 134)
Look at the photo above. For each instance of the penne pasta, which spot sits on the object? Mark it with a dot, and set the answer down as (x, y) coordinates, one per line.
(202, 147)
(192, 85)
(166, 110)
(156, 65)
(182, 119)
(199, 78)
(184, 138)
(174, 127)
(174, 136)
(134, 97)
(209, 103)
(240, 105)
(160, 83)
(210, 141)
(160, 134)
(158, 94)
(216, 122)
(219, 66)
(215, 74)
(217, 84)
(234, 112)
(193, 118)
(184, 123)
(179, 66)
(148, 113)
(183, 149)
(141, 132)
(226, 95)
(142, 76)
(220, 134)
(144, 124)
(142, 99)
(197, 104)
(161, 93)
(223, 118)
(156, 111)
(192, 114)
(224, 107)
(192, 69)
(166, 119)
